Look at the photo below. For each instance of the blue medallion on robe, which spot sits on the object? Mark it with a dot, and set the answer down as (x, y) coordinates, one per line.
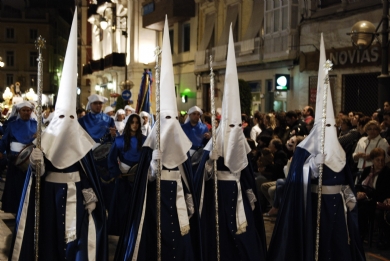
(294, 232)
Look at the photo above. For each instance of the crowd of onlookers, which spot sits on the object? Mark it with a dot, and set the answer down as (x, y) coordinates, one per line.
(365, 139)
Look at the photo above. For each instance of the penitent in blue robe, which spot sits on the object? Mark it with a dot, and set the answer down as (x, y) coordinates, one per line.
(17, 131)
(98, 125)
(53, 200)
(195, 134)
(295, 228)
(123, 186)
(174, 245)
(250, 245)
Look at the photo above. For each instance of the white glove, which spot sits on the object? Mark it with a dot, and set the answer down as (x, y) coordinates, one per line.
(90, 207)
(156, 155)
(90, 199)
(36, 156)
(319, 159)
(349, 197)
(213, 154)
(252, 198)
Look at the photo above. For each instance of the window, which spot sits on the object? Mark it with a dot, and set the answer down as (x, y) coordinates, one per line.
(33, 59)
(10, 79)
(277, 16)
(10, 33)
(185, 37)
(33, 80)
(10, 58)
(33, 34)
(171, 39)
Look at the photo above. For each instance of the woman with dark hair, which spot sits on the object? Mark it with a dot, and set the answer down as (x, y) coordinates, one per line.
(373, 187)
(124, 154)
(281, 129)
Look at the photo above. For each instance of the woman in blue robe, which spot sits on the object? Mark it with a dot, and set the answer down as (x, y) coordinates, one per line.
(17, 136)
(124, 154)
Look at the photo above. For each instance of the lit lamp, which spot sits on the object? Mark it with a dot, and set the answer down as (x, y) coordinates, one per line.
(97, 88)
(362, 35)
(110, 86)
(7, 95)
(31, 96)
(1, 62)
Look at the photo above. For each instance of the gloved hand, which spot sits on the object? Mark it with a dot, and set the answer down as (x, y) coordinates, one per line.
(252, 198)
(36, 157)
(214, 154)
(349, 197)
(319, 159)
(90, 207)
(90, 199)
(156, 155)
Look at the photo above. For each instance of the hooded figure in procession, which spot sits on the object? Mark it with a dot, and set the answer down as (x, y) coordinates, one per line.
(180, 233)
(17, 136)
(241, 226)
(294, 235)
(72, 214)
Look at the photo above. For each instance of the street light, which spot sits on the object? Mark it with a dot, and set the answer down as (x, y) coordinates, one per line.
(363, 34)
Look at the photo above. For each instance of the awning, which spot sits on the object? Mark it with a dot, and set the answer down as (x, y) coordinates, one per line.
(208, 31)
(231, 18)
(256, 21)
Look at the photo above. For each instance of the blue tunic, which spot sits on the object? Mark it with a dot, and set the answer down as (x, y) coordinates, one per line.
(17, 131)
(174, 245)
(195, 134)
(98, 125)
(52, 217)
(250, 245)
(294, 233)
(123, 186)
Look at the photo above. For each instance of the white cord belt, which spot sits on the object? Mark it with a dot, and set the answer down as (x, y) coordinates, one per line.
(240, 211)
(181, 206)
(71, 200)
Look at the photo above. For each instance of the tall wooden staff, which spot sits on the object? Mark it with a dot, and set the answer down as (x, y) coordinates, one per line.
(39, 44)
(327, 67)
(158, 127)
(215, 162)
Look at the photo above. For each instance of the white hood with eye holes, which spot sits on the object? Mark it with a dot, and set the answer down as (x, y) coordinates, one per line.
(230, 140)
(174, 143)
(64, 141)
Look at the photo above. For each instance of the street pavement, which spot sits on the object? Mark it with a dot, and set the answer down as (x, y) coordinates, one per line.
(7, 223)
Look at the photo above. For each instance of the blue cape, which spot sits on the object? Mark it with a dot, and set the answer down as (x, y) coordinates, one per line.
(97, 125)
(294, 232)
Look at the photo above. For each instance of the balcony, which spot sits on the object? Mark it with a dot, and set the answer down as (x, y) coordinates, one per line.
(153, 12)
(111, 60)
(247, 52)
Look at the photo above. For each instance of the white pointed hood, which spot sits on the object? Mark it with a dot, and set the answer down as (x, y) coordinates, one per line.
(230, 141)
(174, 143)
(335, 155)
(64, 141)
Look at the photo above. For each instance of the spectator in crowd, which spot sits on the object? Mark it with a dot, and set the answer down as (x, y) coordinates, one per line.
(345, 126)
(308, 114)
(386, 121)
(297, 127)
(365, 145)
(207, 120)
(281, 129)
(386, 107)
(266, 126)
(246, 127)
(80, 113)
(309, 126)
(375, 184)
(256, 130)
